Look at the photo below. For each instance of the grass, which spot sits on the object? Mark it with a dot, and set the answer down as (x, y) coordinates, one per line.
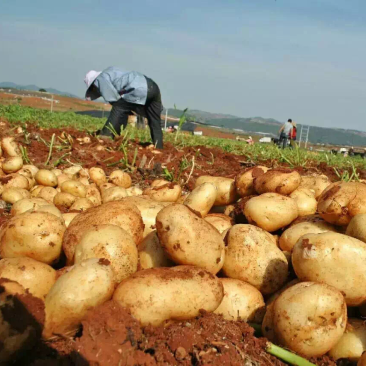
(19, 115)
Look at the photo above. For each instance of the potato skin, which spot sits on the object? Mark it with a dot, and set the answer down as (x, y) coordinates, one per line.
(282, 181)
(188, 239)
(241, 301)
(120, 179)
(35, 276)
(12, 164)
(305, 200)
(335, 259)
(27, 204)
(244, 181)
(123, 214)
(357, 227)
(169, 293)
(309, 318)
(167, 192)
(341, 201)
(201, 199)
(46, 178)
(318, 183)
(84, 286)
(226, 192)
(271, 211)
(36, 235)
(252, 256)
(13, 195)
(220, 222)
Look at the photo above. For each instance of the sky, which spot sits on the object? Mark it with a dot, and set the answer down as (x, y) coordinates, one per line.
(299, 59)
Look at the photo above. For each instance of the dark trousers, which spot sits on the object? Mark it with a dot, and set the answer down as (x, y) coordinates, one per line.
(283, 140)
(151, 110)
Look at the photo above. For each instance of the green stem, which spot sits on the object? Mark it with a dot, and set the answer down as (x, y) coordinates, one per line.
(287, 356)
(50, 152)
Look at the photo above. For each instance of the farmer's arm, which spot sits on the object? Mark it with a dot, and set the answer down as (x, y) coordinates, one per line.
(106, 89)
(281, 129)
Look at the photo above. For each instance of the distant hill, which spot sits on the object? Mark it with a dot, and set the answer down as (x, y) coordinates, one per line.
(31, 87)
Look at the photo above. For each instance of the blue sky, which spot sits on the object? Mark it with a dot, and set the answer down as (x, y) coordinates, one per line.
(300, 59)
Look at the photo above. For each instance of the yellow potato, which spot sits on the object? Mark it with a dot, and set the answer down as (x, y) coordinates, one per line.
(25, 173)
(188, 239)
(93, 194)
(271, 211)
(83, 287)
(47, 208)
(112, 243)
(134, 191)
(241, 301)
(32, 168)
(98, 176)
(64, 199)
(152, 254)
(201, 199)
(74, 187)
(305, 200)
(168, 192)
(169, 293)
(48, 194)
(62, 178)
(13, 195)
(82, 204)
(27, 204)
(252, 256)
(10, 147)
(12, 164)
(244, 181)
(16, 181)
(46, 178)
(335, 259)
(282, 181)
(357, 227)
(35, 191)
(113, 194)
(105, 186)
(220, 222)
(318, 183)
(36, 235)
(120, 179)
(72, 170)
(34, 276)
(226, 192)
(68, 217)
(57, 172)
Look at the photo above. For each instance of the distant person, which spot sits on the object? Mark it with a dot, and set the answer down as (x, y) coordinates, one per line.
(126, 91)
(351, 151)
(285, 132)
(293, 135)
(250, 140)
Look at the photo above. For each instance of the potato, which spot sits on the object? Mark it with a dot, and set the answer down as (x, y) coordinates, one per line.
(32, 168)
(48, 194)
(291, 235)
(64, 199)
(341, 201)
(169, 293)
(201, 199)
(36, 235)
(151, 253)
(252, 256)
(120, 179)
(93, 194)
(72, 170)
(188, 239)
(57, 172)
(244, 181)
(98, 176)
(74, 187)
(12, 164)
(25, 173)
(309, 318)
(271, 211)
(282, 181)
(226, 192)
(16, 181)
(47, 208)
(169, 192)
(148, 209)
(103, 187)
(335, 259)
(134, 191)
(123, 214)
(27, 204)
(35, 191)
(10, 147)
(12, 195)
(356, 228)
(82, 204)
(46, 178)
(113, 194)
(305, 200)
(34, 276)
(62, 178)
(220, 222)
(84, 286)
(241, 301)
(318, 183)
(353, 342)
(112, 243)
(68, 217)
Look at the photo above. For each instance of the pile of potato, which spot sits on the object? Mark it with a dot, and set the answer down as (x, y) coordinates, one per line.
(165, 255)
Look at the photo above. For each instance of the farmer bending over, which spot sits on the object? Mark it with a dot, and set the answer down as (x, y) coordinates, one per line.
(126, 91)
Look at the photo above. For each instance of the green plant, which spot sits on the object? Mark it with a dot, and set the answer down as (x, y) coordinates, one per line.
(182, 119)
(168, 175)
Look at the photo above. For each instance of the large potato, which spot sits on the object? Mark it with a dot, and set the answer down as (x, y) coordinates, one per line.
(252, 256)
(282, 181)
(188, 239)
(151, 253)
(220, 222)
(34, 276)
(112, 243)
(357, 227)
(271, 211)
(16, 181)
(167, 192)
(47, 208)
(291, 235)
(27, 204)
(98, 176)
(244, 181)
(341, 201)
(36, 235)
(317, 183)
(123, 214)
(82, 287)
(169, 293)
(64, 199)
(353, 342)
(335, 259)
(120, 179)
(226, 192)
(13, 195)
(10, 147)
(305, 200)
(46, 178)
(241, 301)
(74, 187)
(309, 318)
(12, 165)
(201, 199)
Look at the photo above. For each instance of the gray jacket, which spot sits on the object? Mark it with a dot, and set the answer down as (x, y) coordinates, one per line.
(114, 84)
